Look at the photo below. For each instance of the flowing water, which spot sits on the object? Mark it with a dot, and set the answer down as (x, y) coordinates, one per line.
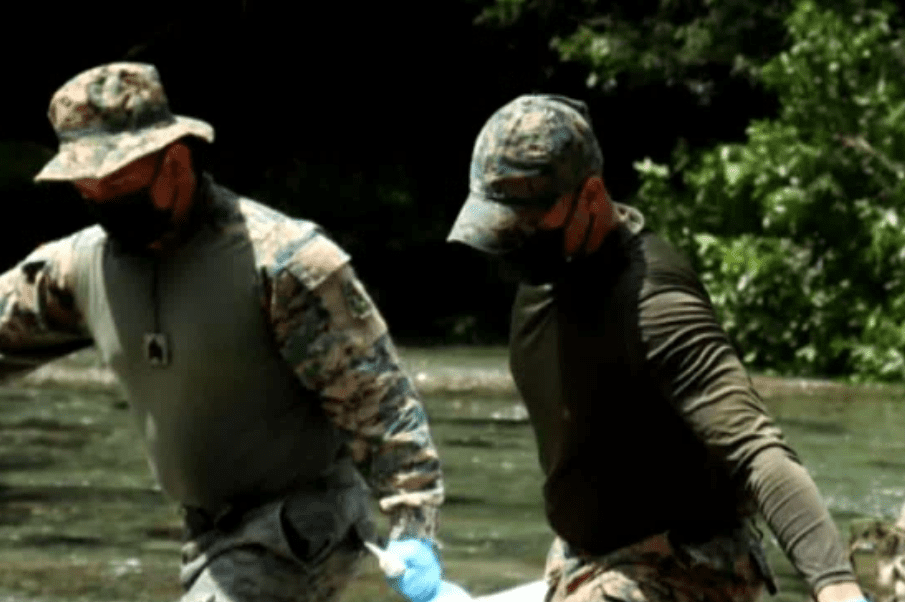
(81, 518)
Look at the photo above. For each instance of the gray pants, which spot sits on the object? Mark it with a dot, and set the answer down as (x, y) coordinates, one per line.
(305, 548)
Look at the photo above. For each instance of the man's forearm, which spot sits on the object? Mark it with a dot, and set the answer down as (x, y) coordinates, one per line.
(792, 506)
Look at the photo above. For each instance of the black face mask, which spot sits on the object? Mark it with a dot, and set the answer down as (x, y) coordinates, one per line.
(538, 260)
(132, 220)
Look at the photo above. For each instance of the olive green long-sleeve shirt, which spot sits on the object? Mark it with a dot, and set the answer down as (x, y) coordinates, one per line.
(645, 418)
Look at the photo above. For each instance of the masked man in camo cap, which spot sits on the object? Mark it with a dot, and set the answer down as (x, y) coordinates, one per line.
(259, 372)
(656, 449)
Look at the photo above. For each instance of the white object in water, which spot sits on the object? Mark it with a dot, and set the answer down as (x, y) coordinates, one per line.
(393, 567)
(530, 592)
(390, 564)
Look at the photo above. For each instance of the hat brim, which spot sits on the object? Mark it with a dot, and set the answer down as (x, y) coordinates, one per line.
(97, 156)
(490, 226)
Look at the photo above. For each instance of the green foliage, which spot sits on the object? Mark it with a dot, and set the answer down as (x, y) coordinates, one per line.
(693, 43)
(798, 231)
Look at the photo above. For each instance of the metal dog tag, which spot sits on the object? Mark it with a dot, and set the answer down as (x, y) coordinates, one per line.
(157, 349)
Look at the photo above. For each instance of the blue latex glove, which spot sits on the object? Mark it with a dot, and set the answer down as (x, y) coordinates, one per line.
(422, 581)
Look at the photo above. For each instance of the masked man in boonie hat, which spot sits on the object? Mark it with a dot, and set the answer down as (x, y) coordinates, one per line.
(259, 371)
(656, 449)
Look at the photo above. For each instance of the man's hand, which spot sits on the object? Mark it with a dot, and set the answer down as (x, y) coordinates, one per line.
(422, 580)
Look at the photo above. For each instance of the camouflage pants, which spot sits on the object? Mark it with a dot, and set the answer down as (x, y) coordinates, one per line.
(658, 569)
(306, 548)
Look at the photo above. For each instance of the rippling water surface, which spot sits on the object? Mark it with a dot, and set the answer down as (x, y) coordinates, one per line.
(81, 519)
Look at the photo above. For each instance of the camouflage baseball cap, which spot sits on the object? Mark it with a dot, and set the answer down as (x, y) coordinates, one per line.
(529, 153)
(109, 116)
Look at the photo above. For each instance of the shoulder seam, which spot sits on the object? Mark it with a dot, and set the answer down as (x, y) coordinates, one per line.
(297, 246)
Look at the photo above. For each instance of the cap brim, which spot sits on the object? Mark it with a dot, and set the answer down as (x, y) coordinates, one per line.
(489, 226)
(97, 156)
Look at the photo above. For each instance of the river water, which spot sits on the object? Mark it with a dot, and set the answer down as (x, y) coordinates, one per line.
(81, 518)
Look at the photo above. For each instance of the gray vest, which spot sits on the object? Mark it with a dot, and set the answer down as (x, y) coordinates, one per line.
(226, 419)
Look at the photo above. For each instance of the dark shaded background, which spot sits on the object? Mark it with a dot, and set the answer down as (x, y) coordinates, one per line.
(359, 117)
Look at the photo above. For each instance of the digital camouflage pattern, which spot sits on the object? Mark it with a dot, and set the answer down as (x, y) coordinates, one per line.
(38, 318)
(322, 319)
(531, 151)
(657, 569)
(878, 554)
(109, 116)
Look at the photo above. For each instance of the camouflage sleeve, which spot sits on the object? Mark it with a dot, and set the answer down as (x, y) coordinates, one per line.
(331, 333)
(39, 321)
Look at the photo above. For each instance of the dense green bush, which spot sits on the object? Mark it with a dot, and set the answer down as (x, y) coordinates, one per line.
(798, 232)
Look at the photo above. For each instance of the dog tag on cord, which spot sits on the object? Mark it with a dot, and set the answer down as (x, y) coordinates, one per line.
(157, 349)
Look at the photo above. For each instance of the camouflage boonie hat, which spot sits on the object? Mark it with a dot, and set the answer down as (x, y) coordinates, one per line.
(109, 116)
(531, 151)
